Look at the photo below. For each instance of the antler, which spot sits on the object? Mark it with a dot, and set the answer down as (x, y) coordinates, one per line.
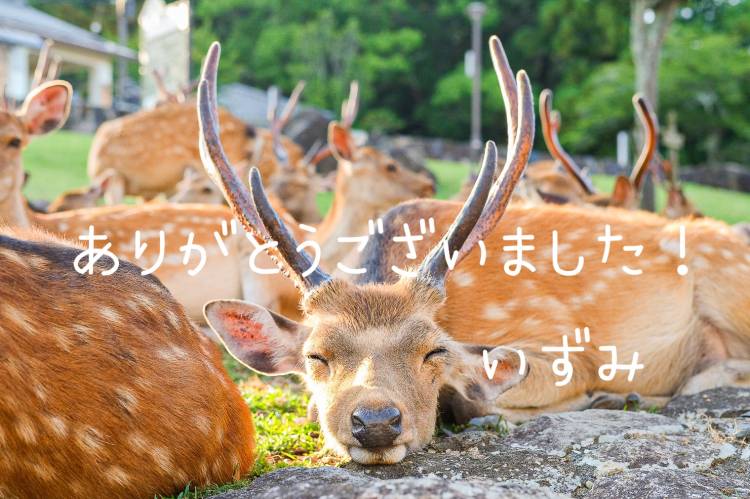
(41, 64)
(507, 82)
(550, 126)
(487, 202)
(278, 122)
(252, 209)
(350, 106)
(651, 130)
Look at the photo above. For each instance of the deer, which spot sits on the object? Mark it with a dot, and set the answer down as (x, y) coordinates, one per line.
(126, 145)
(106, 387)
(627, 191)
(376, 354)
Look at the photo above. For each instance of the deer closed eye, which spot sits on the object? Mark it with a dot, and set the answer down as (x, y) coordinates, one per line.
(317, 358)
(391, 167)
(15, 143)
(434, 354)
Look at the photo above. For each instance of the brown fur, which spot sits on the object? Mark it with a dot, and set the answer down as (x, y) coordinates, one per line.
(150, 149)
(106, 388)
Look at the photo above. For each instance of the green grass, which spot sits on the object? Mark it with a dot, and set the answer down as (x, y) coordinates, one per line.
(57, 162)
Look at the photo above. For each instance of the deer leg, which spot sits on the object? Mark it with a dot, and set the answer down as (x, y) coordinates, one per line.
(730, 372)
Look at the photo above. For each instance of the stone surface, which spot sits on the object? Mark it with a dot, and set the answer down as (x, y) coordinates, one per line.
(696, 449)
(718, 403)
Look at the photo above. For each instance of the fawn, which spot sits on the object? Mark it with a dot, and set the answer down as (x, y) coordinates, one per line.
(106, 388)
(377, 354)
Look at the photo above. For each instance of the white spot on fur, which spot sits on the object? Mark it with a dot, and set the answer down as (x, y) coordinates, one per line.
(671, 246)
(463, 278)
(700, 263)
(109, 313)
(58, 426)
(495, 312)
(706, 249)
(115, 474)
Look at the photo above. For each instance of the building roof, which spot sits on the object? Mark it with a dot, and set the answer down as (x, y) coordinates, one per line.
(24, 25)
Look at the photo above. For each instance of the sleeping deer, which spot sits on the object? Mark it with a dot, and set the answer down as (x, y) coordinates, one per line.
(376, 354)
(106, 387)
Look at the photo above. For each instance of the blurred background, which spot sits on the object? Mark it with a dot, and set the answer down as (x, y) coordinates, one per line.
(417, 73)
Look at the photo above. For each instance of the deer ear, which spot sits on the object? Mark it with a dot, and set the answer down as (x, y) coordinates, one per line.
(340, 142)
(47, 107)
(623, 194)
(482, 377)
(261, 340)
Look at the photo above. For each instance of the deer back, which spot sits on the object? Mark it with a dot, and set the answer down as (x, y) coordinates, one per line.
(106, 387)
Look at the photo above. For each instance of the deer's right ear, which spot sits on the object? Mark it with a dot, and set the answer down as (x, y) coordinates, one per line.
(47, 107)
(340, 142)
(260, 339)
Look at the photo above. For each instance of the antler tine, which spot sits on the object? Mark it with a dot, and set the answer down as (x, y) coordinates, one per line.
(515, 164)
(212, 153)
(488, 200)
(651, 130)
(305, 273)
(350, 107)
(54, 69)
(550, 125)
(312, 152)
(272, 95)
(507, 82)
(262, 221)
(435, 266)
(291, 104)
(41, 63)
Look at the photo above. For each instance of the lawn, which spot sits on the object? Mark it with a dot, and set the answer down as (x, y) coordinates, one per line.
(57, 162)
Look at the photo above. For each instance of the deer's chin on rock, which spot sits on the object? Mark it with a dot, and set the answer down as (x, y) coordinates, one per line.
(385, 455)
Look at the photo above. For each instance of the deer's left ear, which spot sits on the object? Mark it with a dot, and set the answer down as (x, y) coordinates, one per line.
(482, 377)
(47, 107)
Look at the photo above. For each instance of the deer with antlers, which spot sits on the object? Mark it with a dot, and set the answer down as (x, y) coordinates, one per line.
(106, 387)
(376, 354)
(578, 188)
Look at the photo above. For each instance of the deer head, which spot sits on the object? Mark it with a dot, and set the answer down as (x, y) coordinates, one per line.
(83, 197)
(678, 205)
(372, 354)
(45, 109)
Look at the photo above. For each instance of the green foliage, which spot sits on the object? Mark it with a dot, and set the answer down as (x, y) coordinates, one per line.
(408, 56)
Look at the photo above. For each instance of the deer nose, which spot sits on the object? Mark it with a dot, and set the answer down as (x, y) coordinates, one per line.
(376, 427)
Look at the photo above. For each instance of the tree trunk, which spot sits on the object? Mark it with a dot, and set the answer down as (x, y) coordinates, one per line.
(646, 39)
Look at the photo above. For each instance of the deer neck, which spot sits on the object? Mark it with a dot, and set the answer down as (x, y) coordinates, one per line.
(348, 217)
(13, 208)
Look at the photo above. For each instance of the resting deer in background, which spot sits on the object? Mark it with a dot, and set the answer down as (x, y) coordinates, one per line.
(627, 190)
(149, 150)
(677, 205)
(376, 354)
(106, 388)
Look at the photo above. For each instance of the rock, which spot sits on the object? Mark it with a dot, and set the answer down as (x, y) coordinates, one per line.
(659, 483)
(593, 453)
(326, 482)
(722, 402)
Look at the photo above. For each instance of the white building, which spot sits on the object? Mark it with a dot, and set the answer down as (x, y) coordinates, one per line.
(24, 29)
